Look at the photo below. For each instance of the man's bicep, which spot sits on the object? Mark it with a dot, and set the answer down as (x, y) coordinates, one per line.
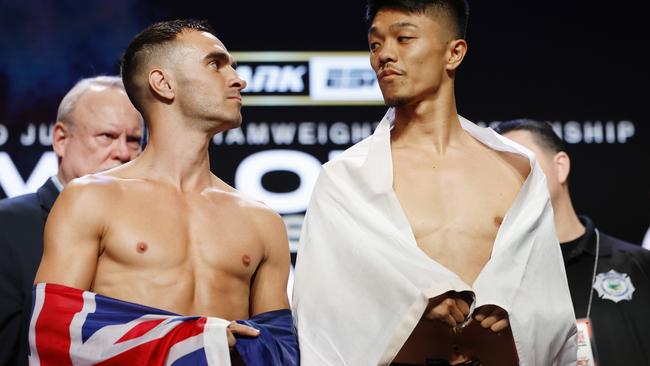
(71, 242)
(269, 287)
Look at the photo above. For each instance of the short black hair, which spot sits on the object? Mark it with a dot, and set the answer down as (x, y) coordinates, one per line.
(152, 37)
(542, 132)
(456, 10)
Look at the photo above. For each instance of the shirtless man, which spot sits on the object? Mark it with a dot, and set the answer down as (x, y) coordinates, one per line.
(453, 189)
(164, 231)
(440, 170)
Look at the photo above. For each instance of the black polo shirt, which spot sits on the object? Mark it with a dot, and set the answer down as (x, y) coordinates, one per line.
(621, 326)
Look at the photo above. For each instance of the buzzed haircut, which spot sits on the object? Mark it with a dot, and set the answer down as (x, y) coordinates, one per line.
(143, 46)
(543, 134)
(457, 11)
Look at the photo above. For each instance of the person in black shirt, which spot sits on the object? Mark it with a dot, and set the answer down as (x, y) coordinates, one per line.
(609, 279)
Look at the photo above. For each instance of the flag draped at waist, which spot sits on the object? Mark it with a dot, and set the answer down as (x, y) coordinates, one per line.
(74, 327)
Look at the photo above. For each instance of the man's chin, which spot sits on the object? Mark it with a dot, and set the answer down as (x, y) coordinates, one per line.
(225, 125)
(234, 123)
(396, 101)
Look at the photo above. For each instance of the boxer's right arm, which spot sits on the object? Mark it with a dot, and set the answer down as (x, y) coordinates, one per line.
(72, 236)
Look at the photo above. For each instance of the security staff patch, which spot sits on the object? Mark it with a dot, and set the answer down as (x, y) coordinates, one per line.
(614, 286)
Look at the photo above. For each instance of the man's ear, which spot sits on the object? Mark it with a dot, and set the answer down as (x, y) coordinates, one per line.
(562, 164)
(456, 52)
(161, 84)
(60, 137)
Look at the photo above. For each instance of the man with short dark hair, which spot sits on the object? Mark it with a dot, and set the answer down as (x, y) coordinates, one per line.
(609, 279)
(421, 243)
(174, 256)
(97, 128)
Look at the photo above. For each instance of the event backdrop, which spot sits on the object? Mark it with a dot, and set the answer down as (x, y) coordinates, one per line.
(311, 93)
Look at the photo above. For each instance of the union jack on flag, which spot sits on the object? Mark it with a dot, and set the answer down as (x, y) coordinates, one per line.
(75, 327)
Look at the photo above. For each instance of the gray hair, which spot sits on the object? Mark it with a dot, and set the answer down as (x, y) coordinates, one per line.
(70, 100)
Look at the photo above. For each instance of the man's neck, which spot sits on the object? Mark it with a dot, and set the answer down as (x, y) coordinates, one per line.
(178, 156)
(431, 124)
(567, 224)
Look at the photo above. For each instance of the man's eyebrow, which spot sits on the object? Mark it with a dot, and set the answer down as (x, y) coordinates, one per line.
(221, 57)
(397, 26)
(393, 27)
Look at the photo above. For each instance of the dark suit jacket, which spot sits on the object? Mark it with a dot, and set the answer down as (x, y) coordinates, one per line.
(22, 221)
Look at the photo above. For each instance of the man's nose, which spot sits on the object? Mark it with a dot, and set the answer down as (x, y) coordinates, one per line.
(238, 82)
(386, 54)
(121, 149)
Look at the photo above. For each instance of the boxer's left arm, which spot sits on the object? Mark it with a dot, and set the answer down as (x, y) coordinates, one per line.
(72, 236)
(269, 284)
(269, 312)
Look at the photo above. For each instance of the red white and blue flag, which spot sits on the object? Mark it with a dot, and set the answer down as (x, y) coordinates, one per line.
(75, 327)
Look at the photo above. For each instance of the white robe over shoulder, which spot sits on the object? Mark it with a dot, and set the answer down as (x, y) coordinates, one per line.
(362, 283)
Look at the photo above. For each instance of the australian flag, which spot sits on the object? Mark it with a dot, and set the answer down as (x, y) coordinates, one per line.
(74, 327)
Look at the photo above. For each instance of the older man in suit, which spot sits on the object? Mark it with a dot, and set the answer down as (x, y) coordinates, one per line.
(97, 128)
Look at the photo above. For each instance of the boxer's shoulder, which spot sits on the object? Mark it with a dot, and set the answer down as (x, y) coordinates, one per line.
(498, 171)
(498, 160)
(251, 206)
(252, 216)
(84, 201)
(101, 188)
(518, 162)
(90, 186)
(227, 197)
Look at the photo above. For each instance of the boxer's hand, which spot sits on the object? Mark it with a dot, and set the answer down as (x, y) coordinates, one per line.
(450, 308)
(235, 328)
(493, 317)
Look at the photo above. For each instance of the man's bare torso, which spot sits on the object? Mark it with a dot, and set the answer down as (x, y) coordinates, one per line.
(455, 205)
(189, 253)
(203, 249)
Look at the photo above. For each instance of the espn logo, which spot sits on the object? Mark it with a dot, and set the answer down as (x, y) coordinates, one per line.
(343, 78)
(308, 78)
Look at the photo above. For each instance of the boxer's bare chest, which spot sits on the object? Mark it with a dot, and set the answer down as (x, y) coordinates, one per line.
(189, 253)
(455, 205)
